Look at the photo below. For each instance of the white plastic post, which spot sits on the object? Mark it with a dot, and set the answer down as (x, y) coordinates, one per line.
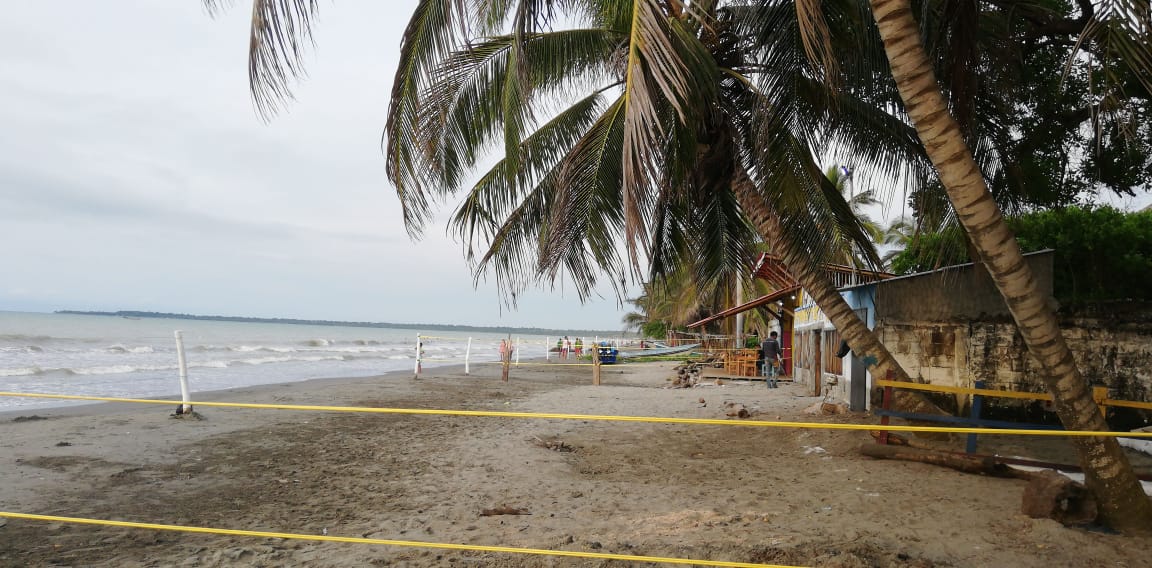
(517, 350)
(185, 399)
(419, 352)
(467, 355)
(547, 348)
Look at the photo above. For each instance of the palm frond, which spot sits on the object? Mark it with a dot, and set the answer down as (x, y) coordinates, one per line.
(1123, 28)
(587, 218)
(465, 109)
(436, 29)
(279, 35)
(667, 68)
(499, 190)
(816, 38)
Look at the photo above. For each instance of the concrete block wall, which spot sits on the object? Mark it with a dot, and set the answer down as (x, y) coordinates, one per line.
(958, 354)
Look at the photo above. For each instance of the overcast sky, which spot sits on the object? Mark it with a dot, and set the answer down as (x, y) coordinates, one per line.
(134, 174)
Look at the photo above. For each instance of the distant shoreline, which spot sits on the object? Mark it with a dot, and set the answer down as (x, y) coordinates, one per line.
(130, 314)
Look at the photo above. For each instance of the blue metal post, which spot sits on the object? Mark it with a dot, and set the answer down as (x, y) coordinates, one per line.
(977, 406)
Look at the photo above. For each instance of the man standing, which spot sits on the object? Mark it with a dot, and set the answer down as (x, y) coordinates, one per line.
(773, 355)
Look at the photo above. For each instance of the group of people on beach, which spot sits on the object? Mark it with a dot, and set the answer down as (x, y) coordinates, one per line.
(566, 347)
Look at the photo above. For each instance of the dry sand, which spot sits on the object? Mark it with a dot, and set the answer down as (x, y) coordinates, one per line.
(768, 495)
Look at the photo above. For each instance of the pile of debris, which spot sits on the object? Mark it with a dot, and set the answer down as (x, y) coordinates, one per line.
(688, 372)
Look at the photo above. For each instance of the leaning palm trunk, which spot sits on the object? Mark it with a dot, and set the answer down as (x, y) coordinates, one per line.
(1123, 504)
(862, 340)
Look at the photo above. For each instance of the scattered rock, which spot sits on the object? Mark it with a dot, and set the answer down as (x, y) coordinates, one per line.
(32, 418)
(814, 409)
(1050, 495)
(504, 510)
(736, 410)
(829, 409)
(191, 414)
(554, 444)
(63, 444)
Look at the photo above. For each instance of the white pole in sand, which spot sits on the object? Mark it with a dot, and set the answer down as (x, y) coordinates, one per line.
(467, 355)
(517, 350)
(419, 350)
(547, 348)
(185, 399)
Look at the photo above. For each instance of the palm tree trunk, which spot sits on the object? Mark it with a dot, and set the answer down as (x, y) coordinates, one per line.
(862, 340)
(1123, 504)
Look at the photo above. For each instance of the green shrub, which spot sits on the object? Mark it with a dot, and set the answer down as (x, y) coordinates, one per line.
(1101, 253)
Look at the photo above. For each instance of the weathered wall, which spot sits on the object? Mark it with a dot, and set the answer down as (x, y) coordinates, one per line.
(951, 327)
(957, 293)
(1112, 348)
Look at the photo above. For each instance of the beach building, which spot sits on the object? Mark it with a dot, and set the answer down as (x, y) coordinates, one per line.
(951, 327)
(801, 335)
(932, 324)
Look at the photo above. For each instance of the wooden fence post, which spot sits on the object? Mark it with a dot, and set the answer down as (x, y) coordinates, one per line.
(596, 366)
(1100, 394)
(886, 404)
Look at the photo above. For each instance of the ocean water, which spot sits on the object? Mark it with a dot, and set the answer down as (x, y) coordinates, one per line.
(136, 358)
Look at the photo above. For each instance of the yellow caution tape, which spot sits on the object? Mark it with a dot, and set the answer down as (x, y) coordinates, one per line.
(1000, 393)
(963, 390)
(388, 542)
(597, 417)
(526, 364)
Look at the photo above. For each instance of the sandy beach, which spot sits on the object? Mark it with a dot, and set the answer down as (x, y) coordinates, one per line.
(764, 495)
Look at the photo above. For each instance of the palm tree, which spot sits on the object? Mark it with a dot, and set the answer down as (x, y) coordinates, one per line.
(683, 131)
(840, 178)
(687, 131)
(692, 114)
(899, 233)
(1109, 476)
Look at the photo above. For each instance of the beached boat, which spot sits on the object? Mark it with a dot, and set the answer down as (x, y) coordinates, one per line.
(661, 349)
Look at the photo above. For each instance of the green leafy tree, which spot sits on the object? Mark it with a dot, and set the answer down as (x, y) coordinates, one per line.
(1101, 253)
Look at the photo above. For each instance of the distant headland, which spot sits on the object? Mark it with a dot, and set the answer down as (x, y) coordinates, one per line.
(417, 326)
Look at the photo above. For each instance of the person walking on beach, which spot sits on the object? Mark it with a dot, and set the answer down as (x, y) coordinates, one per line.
(567, 347)
(579, 347)
(773, 355)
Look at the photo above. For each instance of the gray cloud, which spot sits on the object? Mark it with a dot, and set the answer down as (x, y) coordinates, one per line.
(135, 174)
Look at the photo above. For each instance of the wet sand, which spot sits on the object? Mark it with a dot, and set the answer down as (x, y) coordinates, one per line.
(747, 494)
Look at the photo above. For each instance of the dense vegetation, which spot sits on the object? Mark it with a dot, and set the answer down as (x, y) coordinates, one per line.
(1101, 253)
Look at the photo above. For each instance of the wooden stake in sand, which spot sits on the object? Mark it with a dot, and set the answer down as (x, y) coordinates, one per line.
(596, 365)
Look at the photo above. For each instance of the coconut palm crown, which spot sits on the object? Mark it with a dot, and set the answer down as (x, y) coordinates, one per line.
(619, 122)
